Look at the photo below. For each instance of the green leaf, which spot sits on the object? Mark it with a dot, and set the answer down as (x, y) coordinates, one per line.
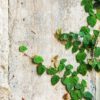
(40, 69)
(62, 61)
(85, 30)
(22, 48)
(96, 33)
(79, 94)
(84, 2)
(69, 66)
(80, 57)
(91, 20)
(51, 71)
(67, 72)
(63, 37)
(74, 35)
(68, 83)
(74, 73)
(74, 49)
(76, 43)
(98, 15)
(83, 83)
(73, 95)
(89, 7)
(88, 96)
(55, 79)
(82, 69)
(86, 40)
(78, 86)
(97, 67)
(68, 44)
(61, 67)
(37, 59)
(97, 52)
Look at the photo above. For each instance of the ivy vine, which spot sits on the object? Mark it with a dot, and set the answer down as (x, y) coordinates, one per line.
(82, 43)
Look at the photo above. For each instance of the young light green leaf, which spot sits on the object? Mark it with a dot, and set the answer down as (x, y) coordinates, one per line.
(22, 48)
(37, 59)
(55, 79)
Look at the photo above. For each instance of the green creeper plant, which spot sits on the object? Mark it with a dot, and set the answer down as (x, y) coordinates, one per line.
(80, 43)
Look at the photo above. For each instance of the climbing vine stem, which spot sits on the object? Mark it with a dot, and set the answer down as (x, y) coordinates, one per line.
(81, 43)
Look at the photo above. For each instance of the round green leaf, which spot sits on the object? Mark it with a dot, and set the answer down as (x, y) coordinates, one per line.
(80, 57)
(82, 69)
(22, 48)
(88, 96)
(68, 44)
(37, 59)
(98, 15)
(61, 67)
(97, 52)
(55, 79)
(40, 69)
(51, 71)
(91, 20)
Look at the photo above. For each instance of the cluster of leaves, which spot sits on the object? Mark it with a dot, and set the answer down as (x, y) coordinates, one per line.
(81, 43)
(85, 40)
(69, 79)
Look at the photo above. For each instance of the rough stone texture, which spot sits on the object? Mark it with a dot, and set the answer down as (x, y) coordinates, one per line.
(4, 49)
(33, 23)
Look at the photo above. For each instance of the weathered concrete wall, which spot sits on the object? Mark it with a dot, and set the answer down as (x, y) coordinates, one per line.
(4, 49)
(42, 17)
(33, 23)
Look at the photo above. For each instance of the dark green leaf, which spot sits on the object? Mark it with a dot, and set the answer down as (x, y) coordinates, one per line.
(78, 86)
(40, 69)
(74, 49)
(68, 83)
(68, 44)
(51, 71)
(67, 72)
(61, 67)
(91, 20)
(73, 95)
(55, 79)
(89, 7)
(82, 69)
(74, 73)
(98, 15)
(97, 52)
(80, 57)
(96, 33)
(62, 61)
(85, 30)
(63, 37)
(86, 40)
(22, 48)
(69, 66)
(83, 83)
(37, 59)
(88, 96)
